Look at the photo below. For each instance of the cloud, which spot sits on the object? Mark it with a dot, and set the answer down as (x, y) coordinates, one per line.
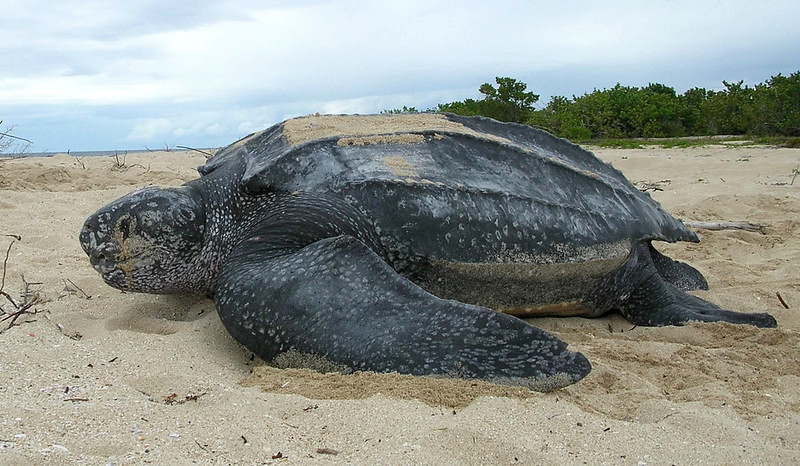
(162, 71)
(152, 128)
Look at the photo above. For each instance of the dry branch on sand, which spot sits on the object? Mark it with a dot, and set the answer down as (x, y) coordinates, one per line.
(121, 165)
(30, 297)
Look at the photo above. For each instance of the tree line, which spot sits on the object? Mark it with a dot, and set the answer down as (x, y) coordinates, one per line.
(771, 108)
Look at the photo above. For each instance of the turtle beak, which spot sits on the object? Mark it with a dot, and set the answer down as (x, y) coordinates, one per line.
(99, 246)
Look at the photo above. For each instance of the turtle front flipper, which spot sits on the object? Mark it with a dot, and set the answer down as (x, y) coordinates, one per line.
(337, 300)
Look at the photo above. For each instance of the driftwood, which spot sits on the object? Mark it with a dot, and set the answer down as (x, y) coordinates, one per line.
(746, 226)
(647, 185)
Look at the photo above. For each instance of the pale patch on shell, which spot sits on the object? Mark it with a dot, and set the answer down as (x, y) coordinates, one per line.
(400, 166)
(371, 128)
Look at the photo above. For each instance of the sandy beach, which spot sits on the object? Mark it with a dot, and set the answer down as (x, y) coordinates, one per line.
(97, 376)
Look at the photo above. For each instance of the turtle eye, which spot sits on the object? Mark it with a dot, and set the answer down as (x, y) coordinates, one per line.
(185, 214)
(125, 227)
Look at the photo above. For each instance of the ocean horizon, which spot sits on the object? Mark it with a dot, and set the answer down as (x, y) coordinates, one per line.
(98, 153)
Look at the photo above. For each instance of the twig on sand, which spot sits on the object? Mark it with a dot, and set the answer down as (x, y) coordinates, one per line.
(795, 172)
(746, 226)
(201, 446)
(5, 261)
(72, 289)
(780, 298)
(327, 451)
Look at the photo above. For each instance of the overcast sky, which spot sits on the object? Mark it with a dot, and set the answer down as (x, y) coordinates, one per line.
(106, 75)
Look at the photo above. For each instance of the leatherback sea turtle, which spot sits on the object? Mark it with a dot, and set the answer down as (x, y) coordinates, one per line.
(381, 243)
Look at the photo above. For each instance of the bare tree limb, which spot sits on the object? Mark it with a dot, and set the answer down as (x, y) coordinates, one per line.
(206, 153)
(9, 135)
(7, 140)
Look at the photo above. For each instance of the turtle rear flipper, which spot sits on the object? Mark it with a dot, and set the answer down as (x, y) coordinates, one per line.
(682, 275)
(337, 300)
(656, 302)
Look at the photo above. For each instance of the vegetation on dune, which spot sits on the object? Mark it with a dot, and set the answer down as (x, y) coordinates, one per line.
(767, 110)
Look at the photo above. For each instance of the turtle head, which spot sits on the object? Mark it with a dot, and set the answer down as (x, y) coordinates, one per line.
(147, 241)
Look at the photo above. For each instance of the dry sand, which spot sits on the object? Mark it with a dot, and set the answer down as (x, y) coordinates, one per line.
(126, 378)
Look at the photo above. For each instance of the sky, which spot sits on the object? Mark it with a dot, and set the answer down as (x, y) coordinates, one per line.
(84, 75)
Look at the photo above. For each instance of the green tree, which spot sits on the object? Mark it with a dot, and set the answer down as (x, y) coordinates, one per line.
(467, 107)
(663, 112)
(777, 106)
(509, 101)
(730, 111)
(397, 111)
(560, 117)
(691, 105)
(619, 112)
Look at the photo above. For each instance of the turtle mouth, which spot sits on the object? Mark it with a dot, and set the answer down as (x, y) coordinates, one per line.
(103, 262)
(125, 266)
(107, 259)
(117, 273)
